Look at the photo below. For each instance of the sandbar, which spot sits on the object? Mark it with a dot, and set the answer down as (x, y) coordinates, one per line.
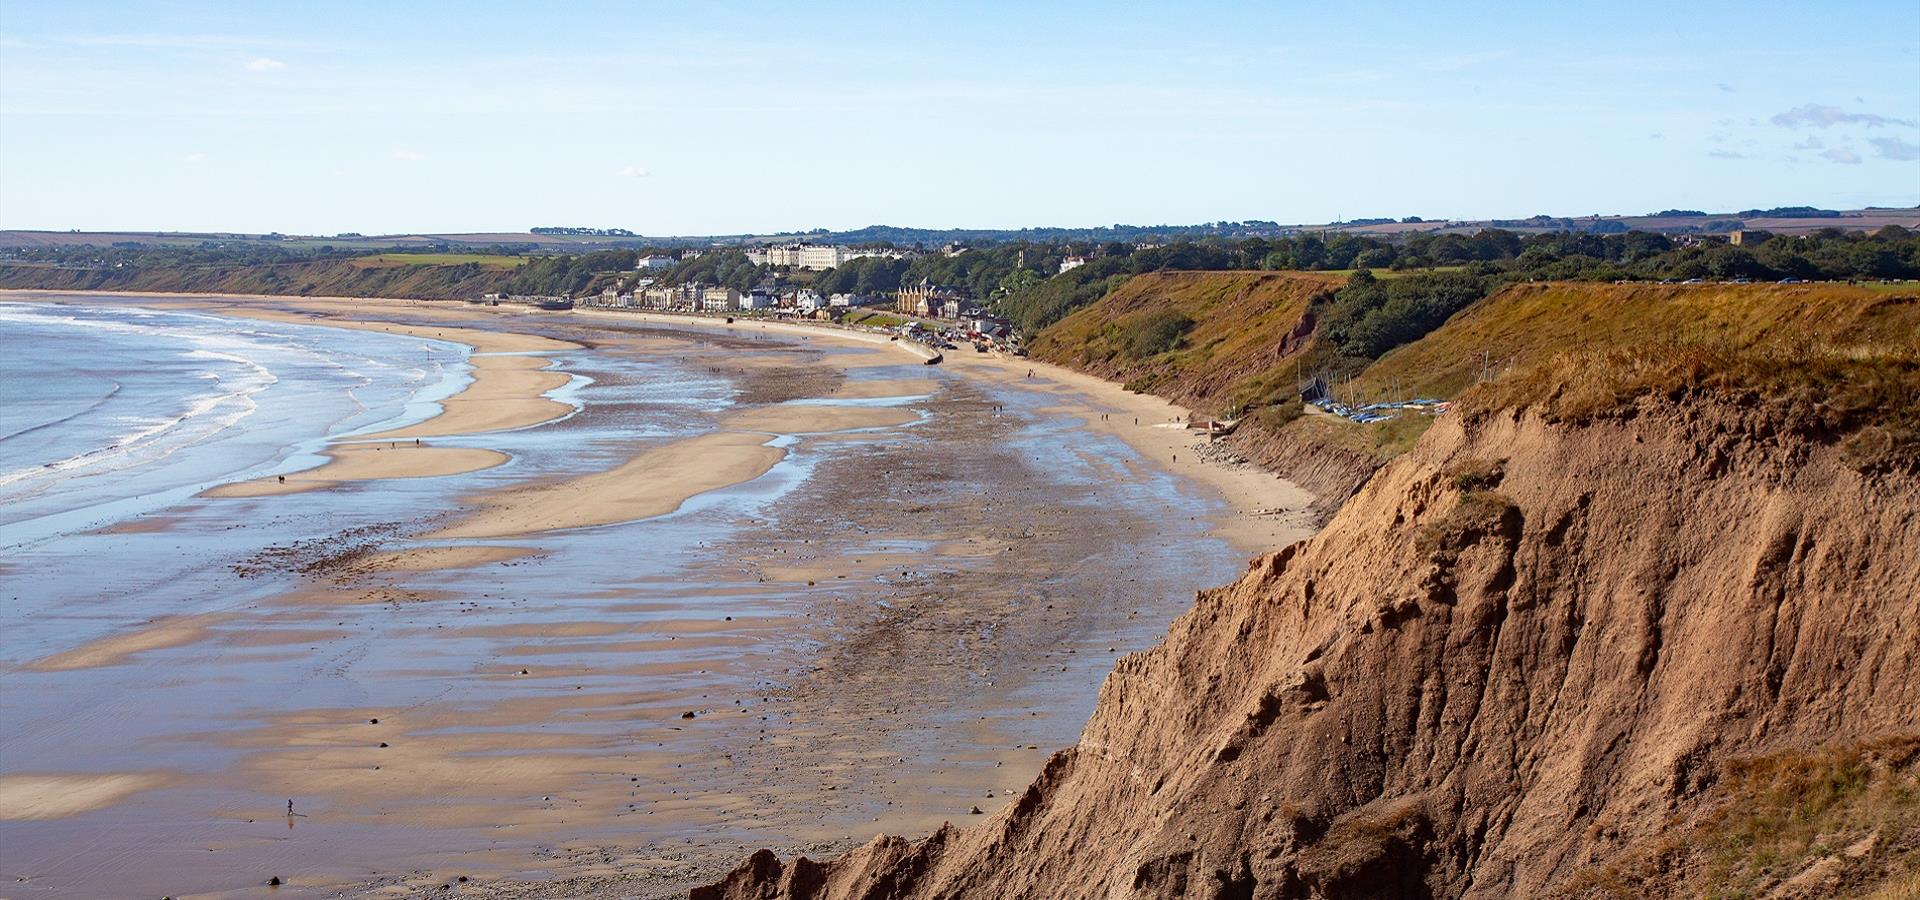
(367, 462)
(653, 483)
(174, 631)
(506, 393)
(26, 798)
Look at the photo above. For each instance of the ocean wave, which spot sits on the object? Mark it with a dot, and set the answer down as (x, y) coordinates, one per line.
(149, 438)
(96, 404)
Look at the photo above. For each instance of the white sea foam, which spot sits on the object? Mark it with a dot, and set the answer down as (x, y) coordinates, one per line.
(148, 438)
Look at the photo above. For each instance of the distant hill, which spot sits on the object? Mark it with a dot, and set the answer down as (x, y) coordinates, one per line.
(1784, 220)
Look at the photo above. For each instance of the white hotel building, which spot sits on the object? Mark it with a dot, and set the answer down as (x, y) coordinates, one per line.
(811, 256)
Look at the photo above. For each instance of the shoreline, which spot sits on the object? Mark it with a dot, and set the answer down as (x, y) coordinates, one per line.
(1260, 500)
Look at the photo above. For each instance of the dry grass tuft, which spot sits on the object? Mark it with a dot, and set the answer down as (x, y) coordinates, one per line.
(1842, 819)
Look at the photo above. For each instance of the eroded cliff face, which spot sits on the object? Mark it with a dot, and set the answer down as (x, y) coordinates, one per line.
(1522, 653)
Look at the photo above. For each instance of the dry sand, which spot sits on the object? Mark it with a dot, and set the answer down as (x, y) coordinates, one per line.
(506, 393)
(368, 462)
(653, 483)
(26, 798)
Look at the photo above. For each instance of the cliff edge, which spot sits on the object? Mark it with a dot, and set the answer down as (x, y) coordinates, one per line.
(1629, 625)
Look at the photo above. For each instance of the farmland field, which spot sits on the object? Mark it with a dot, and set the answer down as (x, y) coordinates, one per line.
(487, 260)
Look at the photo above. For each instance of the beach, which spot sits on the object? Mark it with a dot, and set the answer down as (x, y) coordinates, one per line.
(644, 593)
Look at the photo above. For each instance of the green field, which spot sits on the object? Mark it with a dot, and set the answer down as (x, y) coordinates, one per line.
(486, 260)
(874, 319)
(1892, 287)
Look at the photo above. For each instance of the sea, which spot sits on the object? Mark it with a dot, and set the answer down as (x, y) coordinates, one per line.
(114, 412)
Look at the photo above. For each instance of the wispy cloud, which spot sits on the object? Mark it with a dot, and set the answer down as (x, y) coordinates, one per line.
(194, 158)
(1726, 154)
(1841, 155)
(632, 172)
(1811, 143)
(1895, 148)
(1814, 115)
(1723, 86)
(265, 64)
(409, 155)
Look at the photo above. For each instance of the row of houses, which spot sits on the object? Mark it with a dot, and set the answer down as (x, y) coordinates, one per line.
(694, 297)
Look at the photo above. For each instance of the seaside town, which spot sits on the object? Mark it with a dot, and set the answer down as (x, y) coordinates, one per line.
(939, 316)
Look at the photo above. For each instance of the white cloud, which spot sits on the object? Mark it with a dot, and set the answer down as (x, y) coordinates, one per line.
(265, 64)
(1813, 115)
(1895, 148)
(409, 155)
(194, 158)
(632, 172)
(1842, 155)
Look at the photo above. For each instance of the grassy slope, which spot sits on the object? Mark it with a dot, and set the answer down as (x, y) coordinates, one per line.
(1839, 360)
(343, 277)
(1247, 328)
(1830, 362)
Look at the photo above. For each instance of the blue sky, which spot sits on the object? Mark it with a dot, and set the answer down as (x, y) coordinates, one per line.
(705, 118)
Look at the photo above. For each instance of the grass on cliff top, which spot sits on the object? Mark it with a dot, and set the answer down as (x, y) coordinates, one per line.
(1846, 810)
(1866, 397)
(485, 260)
(1378, 440)
(1526, 324)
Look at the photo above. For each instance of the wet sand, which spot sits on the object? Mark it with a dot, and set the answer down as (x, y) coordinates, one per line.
(1268, 510)
(174, 631)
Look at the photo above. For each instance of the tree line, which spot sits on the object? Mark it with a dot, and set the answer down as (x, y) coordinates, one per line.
(1022, 279)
